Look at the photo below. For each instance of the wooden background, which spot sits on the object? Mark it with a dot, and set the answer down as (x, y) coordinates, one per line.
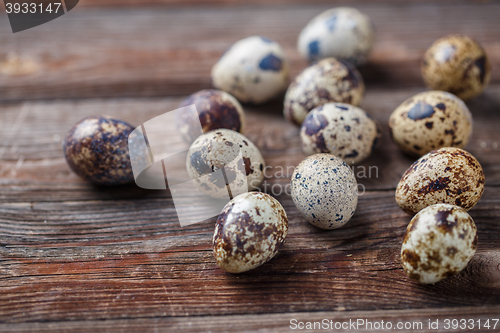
(74, 257)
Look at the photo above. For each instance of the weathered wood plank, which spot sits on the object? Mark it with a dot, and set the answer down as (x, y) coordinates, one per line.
(98, 52)
(415, 319)
(100, 260)
(33, 167)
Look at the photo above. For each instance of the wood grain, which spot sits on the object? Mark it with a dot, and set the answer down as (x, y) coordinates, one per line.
(80, 258)
(166, 51)
(71, 251)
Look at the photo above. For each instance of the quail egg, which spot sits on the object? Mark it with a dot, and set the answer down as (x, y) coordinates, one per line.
(96, 149)
(254, 70)
(324, 190)
(458, 64)
(343, 33)
(431, 120)
(329, 80)
(240, 161)
(447, 175)
(249, 232)
(215, 109)
(439, 242)
(339, 129)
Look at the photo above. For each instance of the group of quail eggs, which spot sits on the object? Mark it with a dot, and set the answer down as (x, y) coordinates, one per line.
(323, 100)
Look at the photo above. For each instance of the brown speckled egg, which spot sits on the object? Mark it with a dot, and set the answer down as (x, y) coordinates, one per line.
(329, 80)
(219, 150)
(96, 149)
(339, 129)
(216, 109)
(457, 64)
(439, 242)
(447, 175)
(324, 190)
(249, 232)
(431, 120)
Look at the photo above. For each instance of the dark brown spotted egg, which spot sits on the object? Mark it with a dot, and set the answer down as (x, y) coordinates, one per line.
(447, 175)
(224, 161)
(96, 149)
(249, 232)
(215, 109)
(329, 80)
(431, 120)
(458, 64)
(339, 129)
(324, 190)
(254, 70)
(439, 242)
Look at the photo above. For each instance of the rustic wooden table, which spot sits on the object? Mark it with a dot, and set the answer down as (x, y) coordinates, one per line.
(74, 257)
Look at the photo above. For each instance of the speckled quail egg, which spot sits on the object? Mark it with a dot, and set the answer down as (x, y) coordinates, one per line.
(96, 149)
(457, 64)
(324, 190)
(329, 80)
(254, 70)
(431, 120)
(249, 232)
(220, 150)
(339, 129)
(343, 33)
(447, 175)
(439, 242)
(216, 109)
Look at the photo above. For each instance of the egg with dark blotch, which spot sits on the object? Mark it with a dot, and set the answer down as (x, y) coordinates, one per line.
(457, 64)
(215, 109)
(329, 80)
(249, 232)
(254, 70)
(431, 120)
(343, 33)
(439, 242)
(447, 175)
(224, 161)
(96, 149)
(324, 190)
(343, 130)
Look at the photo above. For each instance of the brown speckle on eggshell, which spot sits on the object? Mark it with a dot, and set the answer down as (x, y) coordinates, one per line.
(439, 242)
(219, 150)
(249, 232)
(447, 175)
(96, 149)
(431, 120)
(216, 109)
(339, 129)
(458, 64)
(329, 80)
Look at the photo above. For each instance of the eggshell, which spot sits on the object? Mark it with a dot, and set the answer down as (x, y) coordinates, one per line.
(439, 242)
(215, 109)
(458, 64)
(431, 120)
(339, 129)
(447, 175)
(324, 190)
(327, 81)
(249, 232)
(343, 33)
(220, 149)
(96, 149)
(254, 70)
